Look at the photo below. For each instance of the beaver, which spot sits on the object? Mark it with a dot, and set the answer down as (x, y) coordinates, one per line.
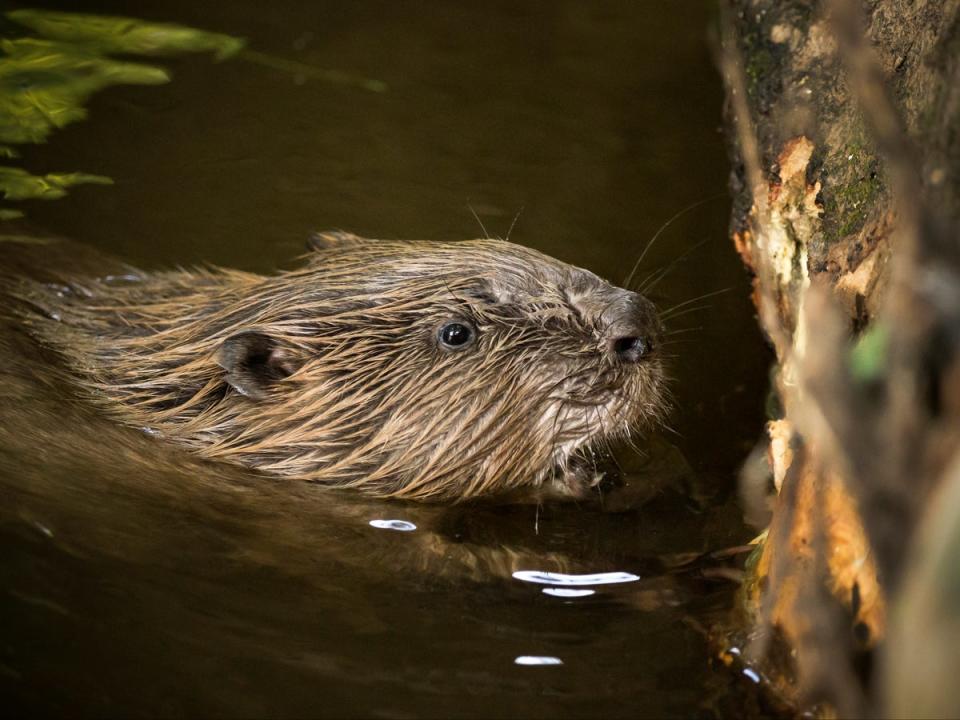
(410, 369)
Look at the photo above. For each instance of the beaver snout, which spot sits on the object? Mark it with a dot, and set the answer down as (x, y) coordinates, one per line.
(634, 330)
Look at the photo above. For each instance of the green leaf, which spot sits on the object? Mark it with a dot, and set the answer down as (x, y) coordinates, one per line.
(868, 358)
(7, 214)
(18, 184)
(111, 34)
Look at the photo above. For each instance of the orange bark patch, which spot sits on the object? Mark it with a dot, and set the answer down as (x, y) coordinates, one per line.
(823, 502)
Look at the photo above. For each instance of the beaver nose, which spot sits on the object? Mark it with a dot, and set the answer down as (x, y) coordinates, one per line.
(631, 349)
(633, 327)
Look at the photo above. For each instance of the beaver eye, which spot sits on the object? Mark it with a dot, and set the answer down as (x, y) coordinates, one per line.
(455, 335)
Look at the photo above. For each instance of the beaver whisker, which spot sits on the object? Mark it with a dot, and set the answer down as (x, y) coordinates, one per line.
(486, 235)
(681, 331)
(676, 216)
(654, 278)
(665, 314)
(687, 311)
(513, 223)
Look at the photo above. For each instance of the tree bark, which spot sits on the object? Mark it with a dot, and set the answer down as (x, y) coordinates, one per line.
(844, 124)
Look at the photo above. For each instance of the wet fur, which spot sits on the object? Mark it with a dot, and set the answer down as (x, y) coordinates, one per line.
(359, 393)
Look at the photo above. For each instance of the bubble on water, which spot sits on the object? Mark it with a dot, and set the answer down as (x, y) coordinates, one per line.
(401, 525)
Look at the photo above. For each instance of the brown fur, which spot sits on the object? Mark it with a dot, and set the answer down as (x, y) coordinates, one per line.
(333, 372)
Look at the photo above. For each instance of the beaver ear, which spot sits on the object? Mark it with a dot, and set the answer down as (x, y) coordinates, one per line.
(254, 361)
(334, 239)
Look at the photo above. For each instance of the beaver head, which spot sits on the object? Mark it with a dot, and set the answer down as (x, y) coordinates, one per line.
(421, 370)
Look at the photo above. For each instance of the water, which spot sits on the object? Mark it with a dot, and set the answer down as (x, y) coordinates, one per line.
(140, 582)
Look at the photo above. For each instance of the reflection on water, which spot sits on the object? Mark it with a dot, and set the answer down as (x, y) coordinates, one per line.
(568, 592)
(552, 578)
(537, 660)
(139, 581)
(401, 525)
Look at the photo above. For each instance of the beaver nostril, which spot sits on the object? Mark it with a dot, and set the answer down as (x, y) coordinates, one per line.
(631, 349)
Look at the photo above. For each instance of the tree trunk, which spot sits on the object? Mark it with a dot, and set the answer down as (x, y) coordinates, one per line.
(844, 121)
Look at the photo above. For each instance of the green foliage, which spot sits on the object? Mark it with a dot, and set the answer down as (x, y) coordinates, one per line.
(46, 81)
(105, 34)
(18, 184)
(44, 85)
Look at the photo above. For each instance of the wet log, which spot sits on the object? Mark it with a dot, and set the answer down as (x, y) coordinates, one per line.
(844, 125)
